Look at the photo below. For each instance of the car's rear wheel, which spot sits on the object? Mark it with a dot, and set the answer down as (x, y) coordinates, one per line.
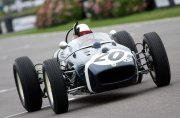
(27, 84)
(157, 59)
(55, 86)
(124, 38)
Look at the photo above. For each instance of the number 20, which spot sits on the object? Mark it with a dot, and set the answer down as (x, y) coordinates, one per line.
(112, 56)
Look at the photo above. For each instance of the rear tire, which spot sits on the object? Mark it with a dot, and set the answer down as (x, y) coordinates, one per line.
(55, 86)
(27, 84)
(124, 38)
(159, 63)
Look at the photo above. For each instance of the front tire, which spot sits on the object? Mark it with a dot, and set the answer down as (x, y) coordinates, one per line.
(27, 84)
(55, 86)
(124, 38)
(157, 59)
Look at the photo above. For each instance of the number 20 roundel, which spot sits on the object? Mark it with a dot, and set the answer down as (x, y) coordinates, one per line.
(111, 57)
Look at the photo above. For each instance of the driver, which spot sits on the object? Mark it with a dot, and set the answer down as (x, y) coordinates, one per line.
(79, 30)
(74, 44)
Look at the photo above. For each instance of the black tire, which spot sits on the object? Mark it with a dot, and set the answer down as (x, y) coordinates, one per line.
(161, 74)
(55, 86)
(27, 84)
(124, 38)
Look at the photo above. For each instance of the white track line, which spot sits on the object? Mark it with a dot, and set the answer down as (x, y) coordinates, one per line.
(7, 90)
(13, 115)
(3, 91)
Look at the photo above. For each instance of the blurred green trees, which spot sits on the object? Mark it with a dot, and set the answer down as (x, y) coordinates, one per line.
(115, 8)
(8, 2)
(54, 12)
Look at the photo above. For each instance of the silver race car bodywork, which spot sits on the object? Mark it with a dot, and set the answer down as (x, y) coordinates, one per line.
(99, 62)
(90, 64)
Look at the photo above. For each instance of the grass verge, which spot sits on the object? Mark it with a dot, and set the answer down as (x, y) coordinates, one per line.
(138, 17)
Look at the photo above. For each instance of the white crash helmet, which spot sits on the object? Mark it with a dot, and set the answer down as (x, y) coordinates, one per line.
(83, 29)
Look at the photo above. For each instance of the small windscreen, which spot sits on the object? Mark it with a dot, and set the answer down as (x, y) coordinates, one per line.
(92, 38)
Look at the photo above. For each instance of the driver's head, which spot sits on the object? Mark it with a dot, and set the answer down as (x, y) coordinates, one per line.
(83, 29)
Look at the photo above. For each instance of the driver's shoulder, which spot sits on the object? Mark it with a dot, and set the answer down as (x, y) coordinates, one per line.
(74, 41)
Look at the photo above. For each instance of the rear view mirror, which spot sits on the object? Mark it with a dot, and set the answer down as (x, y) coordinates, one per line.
(63, 44)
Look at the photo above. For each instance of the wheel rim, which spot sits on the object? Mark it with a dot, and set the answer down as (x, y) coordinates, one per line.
(20, 89)
(150, 64)
(49, 89)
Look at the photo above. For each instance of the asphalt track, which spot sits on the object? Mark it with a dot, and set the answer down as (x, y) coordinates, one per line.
(140, 101)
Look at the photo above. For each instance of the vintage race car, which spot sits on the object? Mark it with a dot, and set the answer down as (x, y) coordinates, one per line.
(101, 62)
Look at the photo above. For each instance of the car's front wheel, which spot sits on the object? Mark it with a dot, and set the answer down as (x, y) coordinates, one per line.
(157, 59)
(27, 84)
(55, 86)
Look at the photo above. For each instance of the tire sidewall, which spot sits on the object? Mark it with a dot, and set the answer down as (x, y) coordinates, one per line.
(30, 85)
(54, 73)
(160, 59)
